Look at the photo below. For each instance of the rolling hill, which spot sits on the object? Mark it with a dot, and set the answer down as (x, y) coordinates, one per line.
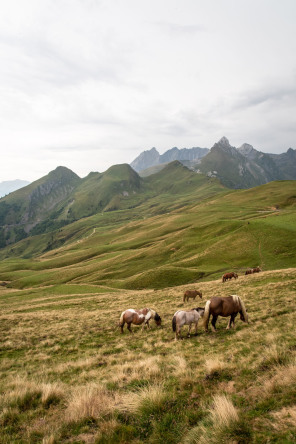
(169, 239)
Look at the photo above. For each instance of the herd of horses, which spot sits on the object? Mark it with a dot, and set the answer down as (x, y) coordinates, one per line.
(229, 306)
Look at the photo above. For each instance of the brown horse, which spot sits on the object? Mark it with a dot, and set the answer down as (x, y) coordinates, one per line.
(138, 317)
(229, 276)
(253, 270)
(226, 306)
(191, 294)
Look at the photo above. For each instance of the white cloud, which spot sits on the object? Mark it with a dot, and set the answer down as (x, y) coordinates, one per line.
(88, 83)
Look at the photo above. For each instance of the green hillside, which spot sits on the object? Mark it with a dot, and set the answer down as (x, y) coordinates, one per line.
(169, 239)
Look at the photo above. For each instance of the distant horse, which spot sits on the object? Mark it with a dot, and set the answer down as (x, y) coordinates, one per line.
(191, 294)
(225, 306)
(229, 276)
(253, 270)
(138, 317)
(189, 317)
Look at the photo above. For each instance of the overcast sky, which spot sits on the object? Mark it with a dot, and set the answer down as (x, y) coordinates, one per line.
(87, 83)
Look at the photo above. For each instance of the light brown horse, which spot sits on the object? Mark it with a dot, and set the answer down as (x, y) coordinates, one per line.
(226, 306)
(191, 294)
(229, 276)
(138, 317)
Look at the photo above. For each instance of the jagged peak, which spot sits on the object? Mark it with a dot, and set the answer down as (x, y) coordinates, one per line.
(246, 148)
(224, 141)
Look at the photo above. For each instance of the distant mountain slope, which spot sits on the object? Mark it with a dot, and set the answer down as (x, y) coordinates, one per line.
(246, 167)
(8, 186)
(22, 210)
(150, 158)
(286, 163)
(119, 191)
(62, 197)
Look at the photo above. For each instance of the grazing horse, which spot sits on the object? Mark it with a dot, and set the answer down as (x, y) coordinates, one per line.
(226, 306)
(253, 270)
(191, 294)
(229, 276)
(138, 317)
(189, 317)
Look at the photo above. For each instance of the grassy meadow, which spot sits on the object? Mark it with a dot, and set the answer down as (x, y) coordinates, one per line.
(69, 376)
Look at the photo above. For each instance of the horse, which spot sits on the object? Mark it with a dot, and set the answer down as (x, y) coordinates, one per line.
(256, 270)
(138, 317)
(191, 294)
(249, 271)
(225, 306)
(189, 317)
(229, 276)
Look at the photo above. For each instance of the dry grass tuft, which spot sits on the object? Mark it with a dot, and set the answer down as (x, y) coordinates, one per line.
(223, 411)
(284, 418)
(90, 401)
(151, 397)
(222, 414)
(214, 365)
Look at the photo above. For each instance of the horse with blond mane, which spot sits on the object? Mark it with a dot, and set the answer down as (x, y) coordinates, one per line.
(224, 306)
(138, 317)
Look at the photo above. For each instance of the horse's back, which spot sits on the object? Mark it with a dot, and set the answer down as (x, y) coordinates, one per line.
(221, 306)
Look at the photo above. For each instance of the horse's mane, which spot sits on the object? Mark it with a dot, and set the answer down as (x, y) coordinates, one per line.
(237, 299)
(206, 314)
(153, 313)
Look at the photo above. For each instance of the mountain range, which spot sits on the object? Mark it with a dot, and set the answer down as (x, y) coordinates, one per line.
(242, 167)
(62, 197)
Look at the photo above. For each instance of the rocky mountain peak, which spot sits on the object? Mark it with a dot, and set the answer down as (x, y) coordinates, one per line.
(224, 145)
(248, 151)
(150, 157)
(224, 142)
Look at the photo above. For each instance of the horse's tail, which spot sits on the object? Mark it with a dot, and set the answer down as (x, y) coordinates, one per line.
(174, 322)
(244, 311)
(184, 297)
(121, 321)
(206, 315)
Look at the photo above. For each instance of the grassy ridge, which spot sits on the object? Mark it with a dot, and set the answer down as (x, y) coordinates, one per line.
(69, 376)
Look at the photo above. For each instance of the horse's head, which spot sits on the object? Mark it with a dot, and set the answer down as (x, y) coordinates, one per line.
(244, 318)
(157, 319)
(200, 310)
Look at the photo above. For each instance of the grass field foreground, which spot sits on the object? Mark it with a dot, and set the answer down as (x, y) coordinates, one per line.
(69, 376)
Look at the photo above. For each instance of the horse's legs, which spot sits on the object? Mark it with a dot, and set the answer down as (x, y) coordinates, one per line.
(231, 321)
(189, 330)
(129, 328)
(196, 328)
(121, 327)
(178, 332)
(214, 320)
